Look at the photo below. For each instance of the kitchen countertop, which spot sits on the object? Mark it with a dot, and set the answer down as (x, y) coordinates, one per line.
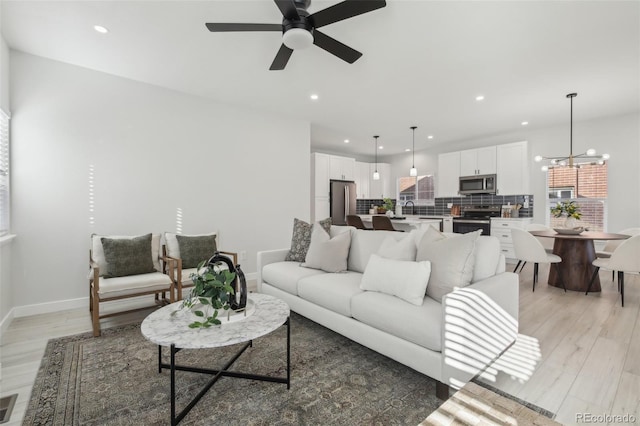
(511, 218)
(412, 219)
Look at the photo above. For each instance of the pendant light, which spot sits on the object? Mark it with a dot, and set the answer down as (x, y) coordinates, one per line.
(573, 161)
(376, 175)
(413, 171)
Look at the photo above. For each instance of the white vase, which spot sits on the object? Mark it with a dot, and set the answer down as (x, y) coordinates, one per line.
(570, 222)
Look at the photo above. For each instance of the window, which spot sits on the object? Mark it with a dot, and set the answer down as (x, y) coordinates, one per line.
(420, 190)
(587, 186)
(4, 173)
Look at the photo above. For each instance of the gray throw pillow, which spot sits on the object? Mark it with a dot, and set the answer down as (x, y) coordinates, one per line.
(302, 238)
(194, 250)
(127, 256)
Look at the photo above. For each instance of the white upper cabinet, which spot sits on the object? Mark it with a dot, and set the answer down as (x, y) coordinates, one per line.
(480, 161)
(362, 180)
(448, 174)
(513, 169)
(342, 168)
(380, 188)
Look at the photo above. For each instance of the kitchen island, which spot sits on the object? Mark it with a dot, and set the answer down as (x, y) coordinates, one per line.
(408, 223)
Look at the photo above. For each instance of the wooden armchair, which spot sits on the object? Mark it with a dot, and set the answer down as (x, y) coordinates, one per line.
(186, 252)
(120, 269)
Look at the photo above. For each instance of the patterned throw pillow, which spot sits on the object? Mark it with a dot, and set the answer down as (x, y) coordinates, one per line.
(302, 238)
(194, 250)
(127, 256)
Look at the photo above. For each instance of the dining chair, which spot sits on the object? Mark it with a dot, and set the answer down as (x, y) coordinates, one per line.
(383, 223)
(547, 243)
(611, 245)
(625, 258)
(528, 249)
(356, 222)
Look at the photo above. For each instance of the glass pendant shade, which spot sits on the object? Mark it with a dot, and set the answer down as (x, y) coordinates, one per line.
(376, 175)
(413, 171)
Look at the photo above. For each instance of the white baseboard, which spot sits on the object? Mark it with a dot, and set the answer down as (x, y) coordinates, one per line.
(6, 321)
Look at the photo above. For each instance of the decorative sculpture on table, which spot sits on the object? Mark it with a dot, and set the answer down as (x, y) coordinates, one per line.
(215, 288)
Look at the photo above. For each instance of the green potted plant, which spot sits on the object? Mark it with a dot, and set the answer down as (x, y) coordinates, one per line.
(387, 204)
(568, 209)
(212, 291)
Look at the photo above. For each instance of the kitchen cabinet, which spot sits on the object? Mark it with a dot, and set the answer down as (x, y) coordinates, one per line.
(501, 229)
(448, 174)
(362, 180)
(447, 224)
(319, 175)
(382, 187)
(512, 168)
(341, 168)
(479, 161)
(320, 209)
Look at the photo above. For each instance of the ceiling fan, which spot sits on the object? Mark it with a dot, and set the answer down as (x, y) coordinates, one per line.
(300, 29)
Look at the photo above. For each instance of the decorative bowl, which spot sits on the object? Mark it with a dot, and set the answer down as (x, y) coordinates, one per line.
(570, 231)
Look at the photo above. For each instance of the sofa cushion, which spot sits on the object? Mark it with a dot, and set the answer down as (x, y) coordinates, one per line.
(285, 275)
(418, 324)
(301, 238)
(403, 249)
(196, 249)
(487, 257)
(404, 279)
(364, 243)
(97, 252)
(127, 256)
(326, 253)
(452, 262)
(331, 291)
(172, 246)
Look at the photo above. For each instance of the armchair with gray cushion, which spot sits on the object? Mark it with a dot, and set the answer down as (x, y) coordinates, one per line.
(187, 251)
(124, 267)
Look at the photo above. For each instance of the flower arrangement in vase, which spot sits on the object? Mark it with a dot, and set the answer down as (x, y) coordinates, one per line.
(568, 209)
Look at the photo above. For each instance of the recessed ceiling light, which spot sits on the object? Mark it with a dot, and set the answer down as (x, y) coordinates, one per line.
(480, 98)
(346, 141)
(407, 150)
(314, 97)
(524, 123)
(100, 29)
(430, 137)
(381, 147)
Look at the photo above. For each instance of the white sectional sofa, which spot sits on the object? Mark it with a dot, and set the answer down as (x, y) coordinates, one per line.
(450, 341)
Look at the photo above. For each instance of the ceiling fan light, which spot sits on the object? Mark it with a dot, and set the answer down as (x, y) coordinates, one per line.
(413, 172)
(591, 152)
(537, 158)
(544, 168)
(605, 156)
(297, 38)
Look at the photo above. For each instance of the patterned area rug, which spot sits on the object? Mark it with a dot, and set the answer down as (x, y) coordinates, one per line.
(114, 380)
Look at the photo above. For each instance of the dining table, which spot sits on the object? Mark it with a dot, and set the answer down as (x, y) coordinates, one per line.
(577, 252)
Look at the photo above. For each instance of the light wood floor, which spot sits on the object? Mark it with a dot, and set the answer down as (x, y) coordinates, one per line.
(576, 353)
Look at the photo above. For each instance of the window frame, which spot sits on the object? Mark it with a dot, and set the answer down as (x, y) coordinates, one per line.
(5, 174)
(417, 201)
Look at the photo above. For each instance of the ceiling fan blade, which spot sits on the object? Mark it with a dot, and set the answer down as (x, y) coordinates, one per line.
(334, 47)
(288, 9)
(281, 59)
(227, 27)
(346, 9)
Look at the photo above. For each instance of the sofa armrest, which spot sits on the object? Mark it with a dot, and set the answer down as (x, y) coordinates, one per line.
(479, 322)
(267, 257)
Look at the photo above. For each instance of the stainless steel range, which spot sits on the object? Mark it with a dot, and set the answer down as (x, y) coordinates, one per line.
(473, 218)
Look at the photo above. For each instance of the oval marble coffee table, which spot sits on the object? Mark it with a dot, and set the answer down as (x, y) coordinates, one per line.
(163, 327)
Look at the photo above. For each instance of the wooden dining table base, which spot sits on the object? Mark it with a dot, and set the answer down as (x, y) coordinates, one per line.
(576, 267)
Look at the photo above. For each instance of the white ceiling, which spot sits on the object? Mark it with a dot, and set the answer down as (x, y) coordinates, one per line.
(423, 62)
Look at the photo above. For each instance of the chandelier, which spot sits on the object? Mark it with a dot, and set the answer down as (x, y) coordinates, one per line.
(576, 161)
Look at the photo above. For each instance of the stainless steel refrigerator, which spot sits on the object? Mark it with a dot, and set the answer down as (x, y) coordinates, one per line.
(342, 201)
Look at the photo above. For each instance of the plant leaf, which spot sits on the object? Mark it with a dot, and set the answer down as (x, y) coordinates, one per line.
(198, 313)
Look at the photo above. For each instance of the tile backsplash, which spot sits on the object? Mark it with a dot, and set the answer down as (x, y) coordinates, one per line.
(440, 208)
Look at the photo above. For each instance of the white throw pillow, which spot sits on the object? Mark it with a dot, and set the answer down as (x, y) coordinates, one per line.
(326, 253)
(404, 249)
(452, 261)
(404, 279)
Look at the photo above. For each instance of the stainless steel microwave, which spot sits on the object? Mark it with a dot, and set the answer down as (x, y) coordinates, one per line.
(477, 184)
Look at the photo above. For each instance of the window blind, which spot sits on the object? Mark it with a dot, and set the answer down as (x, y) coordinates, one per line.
(4, 174)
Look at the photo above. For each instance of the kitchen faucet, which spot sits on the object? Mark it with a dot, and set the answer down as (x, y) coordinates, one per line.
(406, 204)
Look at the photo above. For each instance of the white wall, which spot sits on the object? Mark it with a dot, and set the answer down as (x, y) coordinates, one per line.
(619, 136)
(153, 151)
(6, 295)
